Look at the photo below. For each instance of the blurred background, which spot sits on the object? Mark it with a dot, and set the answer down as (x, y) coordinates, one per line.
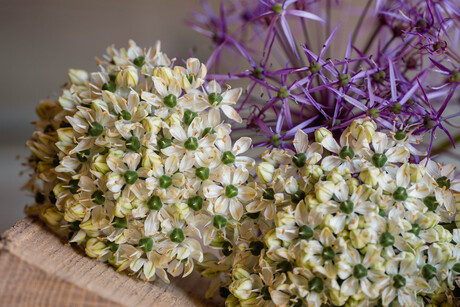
(42, 39)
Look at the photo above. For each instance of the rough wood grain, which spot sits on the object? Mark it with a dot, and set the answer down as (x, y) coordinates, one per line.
(37, 269)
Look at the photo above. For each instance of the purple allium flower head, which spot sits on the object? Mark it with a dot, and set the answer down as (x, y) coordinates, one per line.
(305, 67)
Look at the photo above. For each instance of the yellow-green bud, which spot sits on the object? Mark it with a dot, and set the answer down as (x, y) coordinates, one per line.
(321, 133)
(369, 176)
(314, 171)
(152, 124)
(241, 288)
(78, 77)
(324, 190)
(51, 216)
(265, 171)
(95, 248)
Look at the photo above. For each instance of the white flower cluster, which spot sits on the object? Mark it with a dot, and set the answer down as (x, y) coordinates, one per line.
(134, 163)
(360, 222)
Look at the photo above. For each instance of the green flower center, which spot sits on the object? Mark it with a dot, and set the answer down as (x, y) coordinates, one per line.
(298, 196)
(189, 116)
(219, 221)
(195, 203)
(429, 271)
(165, 181)
(430, 202)
(284, 267)
(125, 115)
(265, 292)
(359, 271)
(399, 281)
(227, 248)
(443, 182)
(275, 140)
(177, 235)
(139, 61)
(206, 131)
(374, 113)
(164, 143)
(344, 79)
(131, 177)
(379, 160)
(400, 135)
(98, 197)
(113, 246)
(109, 86)
(387, 239)
(215, 99)
(154, 203)
(300, 160)
(295, 301)
(415, 229)
(231, 191)
(345, 152)
(74, 187)
(202, 173)
(283, 93)
(316, 285)
(305, 232)
(170, 101)
(146, 244)
(269, 194)
(456, 267)
(328, 253)
(253, 215)
(277, 8)
(400, 194)
(256, 247)
(347, 207)
(228, 157)
(397, 108)
(120, 222)
(95, 129)
(315, 67)
(82, 156)
(191, 143)
(133, 143)
(379, 76)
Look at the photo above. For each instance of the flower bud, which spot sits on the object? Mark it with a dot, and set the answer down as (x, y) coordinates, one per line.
(152, 124)
(240, 272)
(284, 219)
(99, 166)
(74, 211)
(123, 207)
(127, 78)
(181, 210)
(429, 219)
(241, 288)
(369, 176)
(443, 234)
(321, 133)
(150, 159)
(265, 171)
(334, 176)
(51, 216)
(95, 248)
(352, 184)
(90, 229)
(77, 76)
(324, 190)
(314, 171)
(363, 129)
(271, 241)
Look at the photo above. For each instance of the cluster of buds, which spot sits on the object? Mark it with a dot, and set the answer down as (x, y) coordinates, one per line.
(135, 164)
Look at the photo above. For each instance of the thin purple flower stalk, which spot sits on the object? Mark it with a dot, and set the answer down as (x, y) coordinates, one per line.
(405, 70)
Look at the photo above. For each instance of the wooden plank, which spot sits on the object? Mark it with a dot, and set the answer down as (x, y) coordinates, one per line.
(37, 269)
